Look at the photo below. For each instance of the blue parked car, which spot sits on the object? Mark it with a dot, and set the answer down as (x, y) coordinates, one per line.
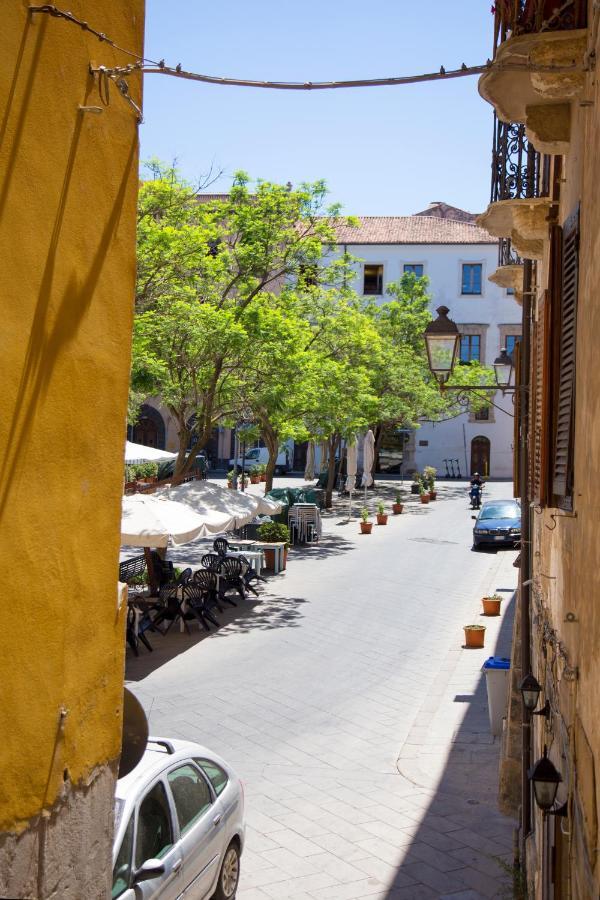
(498, 522)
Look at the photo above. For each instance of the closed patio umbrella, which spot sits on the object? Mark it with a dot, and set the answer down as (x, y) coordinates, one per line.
(309, 470)
(351, 466)
(151, 521)
(368, 460)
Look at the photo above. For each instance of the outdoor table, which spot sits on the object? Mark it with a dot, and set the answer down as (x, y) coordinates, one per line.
(278, 549)
(255, 557)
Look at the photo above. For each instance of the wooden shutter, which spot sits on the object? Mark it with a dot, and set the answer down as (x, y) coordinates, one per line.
(537, 392)
(562, 481)
(517, 424)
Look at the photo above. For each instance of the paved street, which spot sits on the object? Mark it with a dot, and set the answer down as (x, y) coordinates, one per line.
(358, 724)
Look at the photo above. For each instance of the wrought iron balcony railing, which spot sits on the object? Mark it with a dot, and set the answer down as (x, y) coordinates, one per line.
(518, 172)
(515, 17)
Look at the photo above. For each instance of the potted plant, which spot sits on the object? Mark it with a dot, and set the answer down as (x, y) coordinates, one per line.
(365, 526)
(230, 477)
(381, 514)
(424, 493)
(415, 487)
(274, 533)
(491, 605)
(429, 473)
(255, 475)
(397, 507)
(474, 636)
(263, 472)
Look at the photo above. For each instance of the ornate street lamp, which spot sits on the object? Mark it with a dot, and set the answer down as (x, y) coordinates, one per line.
(442, 339)
(545, 779)
(530, 691)
(503, 366)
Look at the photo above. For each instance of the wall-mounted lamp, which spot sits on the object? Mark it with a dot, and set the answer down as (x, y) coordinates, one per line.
(545, 779)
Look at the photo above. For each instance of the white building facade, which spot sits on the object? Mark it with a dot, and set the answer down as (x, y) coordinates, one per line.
(444, 244)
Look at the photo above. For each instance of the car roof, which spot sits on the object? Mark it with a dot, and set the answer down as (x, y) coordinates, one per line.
(511, 502)
(160, 754)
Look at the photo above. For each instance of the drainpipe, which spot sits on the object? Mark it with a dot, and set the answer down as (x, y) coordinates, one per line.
(525, 572)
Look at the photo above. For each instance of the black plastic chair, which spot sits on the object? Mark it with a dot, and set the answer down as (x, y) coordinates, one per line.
(134, 634)
(169, 607)
(200, 595)
(221, 545)
(231, 574)
(211, 561)
(249, 575)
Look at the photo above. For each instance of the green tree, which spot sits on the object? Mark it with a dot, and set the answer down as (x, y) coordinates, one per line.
(201, 266)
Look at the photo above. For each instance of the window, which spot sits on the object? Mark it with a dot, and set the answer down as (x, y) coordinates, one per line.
(423, 443)
(373, 280)
(308, 275)
(155, 830)
(510, 292)
(510, 341)
(191, 794)
(414, 269)
(215, 774)
(470, 348)
(482, 415)
(122, 867)
(471, 278)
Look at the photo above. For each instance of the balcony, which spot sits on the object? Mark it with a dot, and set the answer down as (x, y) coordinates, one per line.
(542, 33)
(520, 205)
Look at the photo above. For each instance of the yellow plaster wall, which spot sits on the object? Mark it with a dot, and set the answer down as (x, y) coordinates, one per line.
(68, 189)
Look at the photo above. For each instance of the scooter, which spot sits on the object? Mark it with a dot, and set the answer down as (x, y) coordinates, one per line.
(475, 496)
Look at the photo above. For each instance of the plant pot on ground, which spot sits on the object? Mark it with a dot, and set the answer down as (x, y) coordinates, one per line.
(491, 605)
(365, 526)
(381, 514)
(274, 533)
(424, 498)
(474, 636)
(397, 507)
(433, 495)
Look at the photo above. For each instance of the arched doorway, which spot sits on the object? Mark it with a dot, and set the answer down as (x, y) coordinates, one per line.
(480, 455)
(149, 429)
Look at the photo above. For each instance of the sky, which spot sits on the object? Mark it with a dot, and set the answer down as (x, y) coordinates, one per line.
(382, 151)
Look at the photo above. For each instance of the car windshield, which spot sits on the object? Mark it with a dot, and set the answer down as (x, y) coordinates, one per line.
(500, 511)
(119, 807)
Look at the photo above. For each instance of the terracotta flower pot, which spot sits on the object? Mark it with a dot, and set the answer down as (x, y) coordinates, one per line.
(263, 478)
(366, 527)
(397, 508)
(382, 518)
(230, 485)
(270, 559)
(491, 606)
(474, 636)
(255, 479)
(424, 498)
(433, 495)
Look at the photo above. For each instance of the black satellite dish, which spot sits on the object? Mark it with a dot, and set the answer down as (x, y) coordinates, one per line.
(135, 733)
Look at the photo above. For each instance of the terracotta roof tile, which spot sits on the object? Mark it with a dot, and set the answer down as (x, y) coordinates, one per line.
(412, 230)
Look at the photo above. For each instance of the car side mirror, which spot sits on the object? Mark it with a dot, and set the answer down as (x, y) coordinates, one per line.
(152, 868)
(474, 517)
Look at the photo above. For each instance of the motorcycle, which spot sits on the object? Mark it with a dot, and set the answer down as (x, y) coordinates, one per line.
(475, 496)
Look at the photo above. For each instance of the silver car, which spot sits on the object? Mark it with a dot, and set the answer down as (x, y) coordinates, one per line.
(179, 829)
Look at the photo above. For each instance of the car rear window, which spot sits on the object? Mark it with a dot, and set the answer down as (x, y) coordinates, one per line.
(501, 511)
(215, 774)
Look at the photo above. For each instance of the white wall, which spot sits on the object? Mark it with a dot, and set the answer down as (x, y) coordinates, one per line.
(442, 264)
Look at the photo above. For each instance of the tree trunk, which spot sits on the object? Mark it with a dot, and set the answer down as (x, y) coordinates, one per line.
(270, 439)
(333, 444)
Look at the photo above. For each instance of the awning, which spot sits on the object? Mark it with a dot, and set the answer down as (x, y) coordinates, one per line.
(221, 509)
(152, 521)
(138, 453)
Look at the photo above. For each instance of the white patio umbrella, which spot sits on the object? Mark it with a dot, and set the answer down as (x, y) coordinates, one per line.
(220, 509)
(351, 466)
(138, 453)
(309, 469)
(368, 460)
(152, 521)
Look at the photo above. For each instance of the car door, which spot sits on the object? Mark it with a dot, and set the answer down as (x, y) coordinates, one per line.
(199, 816)
(156, 837)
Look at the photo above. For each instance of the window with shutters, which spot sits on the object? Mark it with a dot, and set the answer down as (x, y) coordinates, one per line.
(539, 411)
(564, 380)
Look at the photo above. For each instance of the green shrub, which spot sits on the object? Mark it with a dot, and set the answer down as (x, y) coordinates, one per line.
(274, 533)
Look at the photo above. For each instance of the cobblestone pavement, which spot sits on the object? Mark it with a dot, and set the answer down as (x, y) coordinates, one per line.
(356, 720)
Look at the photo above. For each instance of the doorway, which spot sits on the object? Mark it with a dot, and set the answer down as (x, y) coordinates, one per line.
(480, 455)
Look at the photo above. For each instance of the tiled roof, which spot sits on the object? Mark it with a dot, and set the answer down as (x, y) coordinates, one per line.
(417, 229)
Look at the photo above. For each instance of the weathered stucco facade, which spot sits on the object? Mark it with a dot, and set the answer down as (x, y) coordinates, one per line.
(68, 190)
(561, 114)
